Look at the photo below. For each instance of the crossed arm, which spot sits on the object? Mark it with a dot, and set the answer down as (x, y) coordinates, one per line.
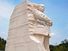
(40, 15)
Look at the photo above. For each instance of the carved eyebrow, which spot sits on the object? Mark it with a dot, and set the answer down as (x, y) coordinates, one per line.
(29, 5)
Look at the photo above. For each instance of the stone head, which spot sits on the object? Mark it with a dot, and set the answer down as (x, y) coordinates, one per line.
(39, 7)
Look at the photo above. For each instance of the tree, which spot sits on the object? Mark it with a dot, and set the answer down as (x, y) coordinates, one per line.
(2, 44)
(63, 46)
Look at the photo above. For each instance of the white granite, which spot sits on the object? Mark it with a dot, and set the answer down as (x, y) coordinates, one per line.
(29, 29)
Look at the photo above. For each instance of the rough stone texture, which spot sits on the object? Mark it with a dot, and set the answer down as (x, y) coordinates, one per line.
(29, 29)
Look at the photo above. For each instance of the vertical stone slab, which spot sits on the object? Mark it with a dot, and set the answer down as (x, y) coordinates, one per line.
(28, 31)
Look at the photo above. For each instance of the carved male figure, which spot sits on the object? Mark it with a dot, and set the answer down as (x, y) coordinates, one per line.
(39, 25)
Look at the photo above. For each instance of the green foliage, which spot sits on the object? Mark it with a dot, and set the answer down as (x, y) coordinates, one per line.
(61, 47)
(2, 44)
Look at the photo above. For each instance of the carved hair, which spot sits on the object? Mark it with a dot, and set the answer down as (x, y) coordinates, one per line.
(39, 7)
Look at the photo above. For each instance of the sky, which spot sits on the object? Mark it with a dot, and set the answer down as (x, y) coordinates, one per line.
(57, 10)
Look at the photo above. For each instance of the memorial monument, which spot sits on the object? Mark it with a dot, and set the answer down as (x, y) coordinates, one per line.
(29, 28)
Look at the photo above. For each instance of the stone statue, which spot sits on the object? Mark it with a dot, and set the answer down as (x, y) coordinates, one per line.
(29, 28)
(39, 25)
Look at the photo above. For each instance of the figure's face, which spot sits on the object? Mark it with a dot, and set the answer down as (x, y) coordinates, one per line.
(37, 6)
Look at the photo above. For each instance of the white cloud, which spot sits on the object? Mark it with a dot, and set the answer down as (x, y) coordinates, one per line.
(0, 18)
(56, 37)
(52, 34)
(3, 35)
(5, 10)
